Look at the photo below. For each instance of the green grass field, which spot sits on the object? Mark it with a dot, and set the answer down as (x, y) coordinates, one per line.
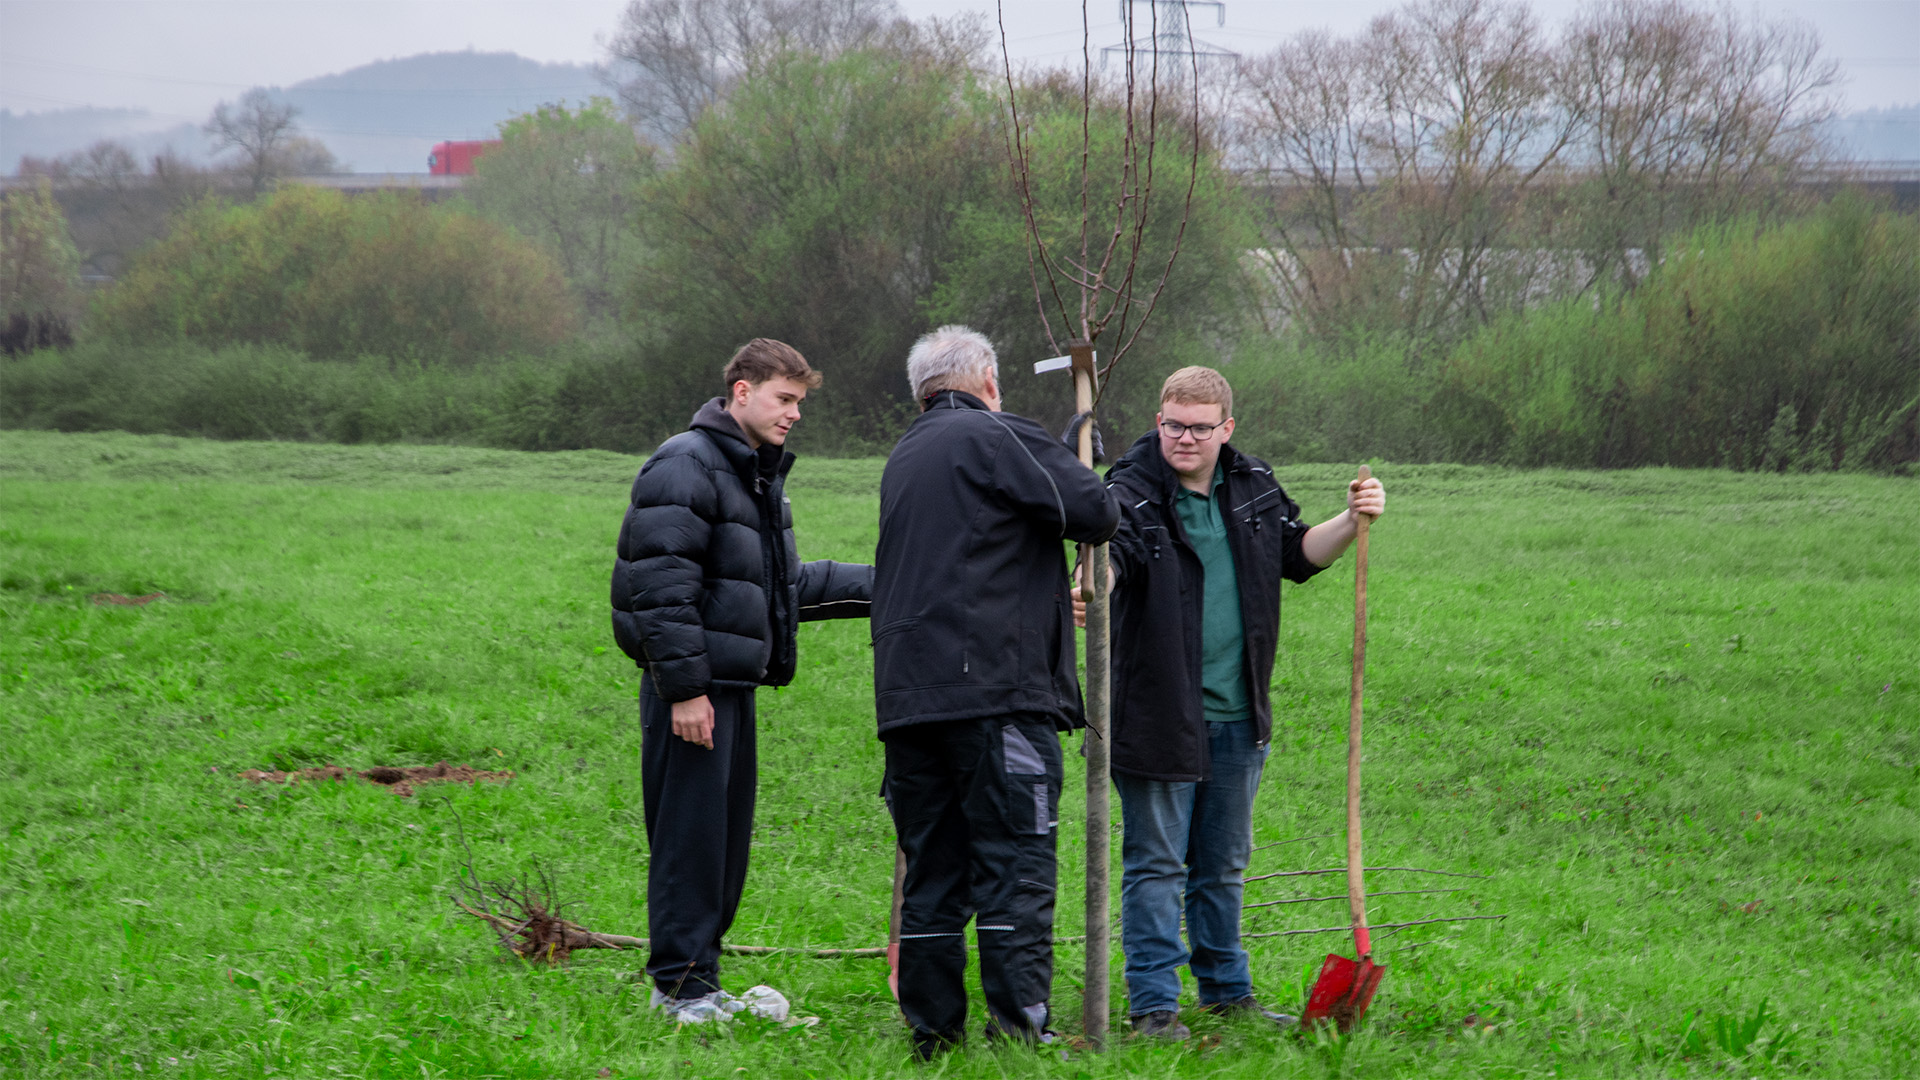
(1672, 717)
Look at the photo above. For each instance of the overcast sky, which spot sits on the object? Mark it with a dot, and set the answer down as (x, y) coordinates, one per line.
(178, 58)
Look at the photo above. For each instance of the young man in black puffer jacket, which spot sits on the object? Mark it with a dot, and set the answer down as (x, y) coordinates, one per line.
(708, 590)
(1205, 539)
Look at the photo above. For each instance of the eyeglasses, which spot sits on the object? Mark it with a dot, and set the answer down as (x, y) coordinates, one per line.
(1174, 429)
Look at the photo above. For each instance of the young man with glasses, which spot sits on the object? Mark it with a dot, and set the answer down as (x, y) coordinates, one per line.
(1205, 536)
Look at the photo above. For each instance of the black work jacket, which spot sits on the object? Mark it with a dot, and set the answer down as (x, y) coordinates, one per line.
(708, 586)
(1159, 725)
(971, 611)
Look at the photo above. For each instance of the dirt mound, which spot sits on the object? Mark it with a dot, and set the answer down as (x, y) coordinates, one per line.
(400, 778)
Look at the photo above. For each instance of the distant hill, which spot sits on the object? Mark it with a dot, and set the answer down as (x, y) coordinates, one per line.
(385, 116)
(379, 117)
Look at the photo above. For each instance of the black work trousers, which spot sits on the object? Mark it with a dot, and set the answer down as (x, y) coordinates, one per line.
(975, 807)
(699, 810)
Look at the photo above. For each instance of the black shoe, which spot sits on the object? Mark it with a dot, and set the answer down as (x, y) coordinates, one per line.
(1248, 1006)
(1161, 1024)
(928, 1045)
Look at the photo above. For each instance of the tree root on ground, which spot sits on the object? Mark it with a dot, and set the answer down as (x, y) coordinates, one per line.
(529, 922)
(532, 931)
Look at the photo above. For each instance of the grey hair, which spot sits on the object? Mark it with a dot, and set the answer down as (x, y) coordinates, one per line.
(950, 358)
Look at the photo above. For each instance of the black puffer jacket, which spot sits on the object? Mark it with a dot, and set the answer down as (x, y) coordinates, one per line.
(708, 586)
(1159, 726)
(971, 613)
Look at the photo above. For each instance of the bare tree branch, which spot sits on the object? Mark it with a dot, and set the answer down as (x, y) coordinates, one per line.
(674, 58)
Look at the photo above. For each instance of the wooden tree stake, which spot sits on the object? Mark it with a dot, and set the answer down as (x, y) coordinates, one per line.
(1097, 994)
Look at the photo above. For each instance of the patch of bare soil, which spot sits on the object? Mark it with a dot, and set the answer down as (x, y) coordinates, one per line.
(102, 599)
(401, 779)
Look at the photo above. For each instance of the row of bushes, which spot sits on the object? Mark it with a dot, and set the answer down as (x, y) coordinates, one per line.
(337, 276)
(1794, 347)
(579, 398)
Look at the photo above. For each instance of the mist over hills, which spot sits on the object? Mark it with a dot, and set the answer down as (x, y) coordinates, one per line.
(61, 131)
(379, 117)
(385, 116)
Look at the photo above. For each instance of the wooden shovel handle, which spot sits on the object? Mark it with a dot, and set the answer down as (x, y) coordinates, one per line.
(1356, 886)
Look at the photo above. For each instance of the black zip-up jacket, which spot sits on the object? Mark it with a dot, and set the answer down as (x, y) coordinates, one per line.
(1159, 725)
(971, 611)
(708, 586)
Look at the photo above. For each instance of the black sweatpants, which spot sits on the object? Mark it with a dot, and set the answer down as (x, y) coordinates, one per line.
(975, 807)
(699, 810)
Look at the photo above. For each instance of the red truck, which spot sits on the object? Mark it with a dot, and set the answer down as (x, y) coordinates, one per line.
(456, 158)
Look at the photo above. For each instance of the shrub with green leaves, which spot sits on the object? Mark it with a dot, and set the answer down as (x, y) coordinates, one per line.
(564, 179)
(816, 205)
(580, 395)
(338, 277)
(1795, 347)
(1301, 397)
(39, 269)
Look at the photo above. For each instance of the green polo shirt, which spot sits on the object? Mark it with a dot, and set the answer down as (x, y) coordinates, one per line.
(1223, 680)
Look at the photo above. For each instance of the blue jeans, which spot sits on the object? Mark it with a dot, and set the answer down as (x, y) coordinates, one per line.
(1188, 842)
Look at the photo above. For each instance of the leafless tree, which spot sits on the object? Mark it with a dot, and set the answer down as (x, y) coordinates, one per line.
(106, 164)
(260, 129)
(111, 207)
(1404, 157)
(1465, 121)
(1688, 113)
(1092, 278)
(1304, 109)
(673, 58)
(179, 180)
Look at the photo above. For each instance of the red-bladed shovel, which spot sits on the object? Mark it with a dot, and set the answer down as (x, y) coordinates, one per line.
(1346, 987)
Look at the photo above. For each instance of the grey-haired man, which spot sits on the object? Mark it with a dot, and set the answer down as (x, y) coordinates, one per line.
(973, 677)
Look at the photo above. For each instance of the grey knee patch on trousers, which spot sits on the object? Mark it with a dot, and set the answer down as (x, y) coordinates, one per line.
(1020, 754)
(1022, 759)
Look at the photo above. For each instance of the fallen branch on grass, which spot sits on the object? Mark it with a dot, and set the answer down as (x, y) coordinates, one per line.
(1343, 896)
(1370, 869)
(1295, 840)
(1377, 926)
